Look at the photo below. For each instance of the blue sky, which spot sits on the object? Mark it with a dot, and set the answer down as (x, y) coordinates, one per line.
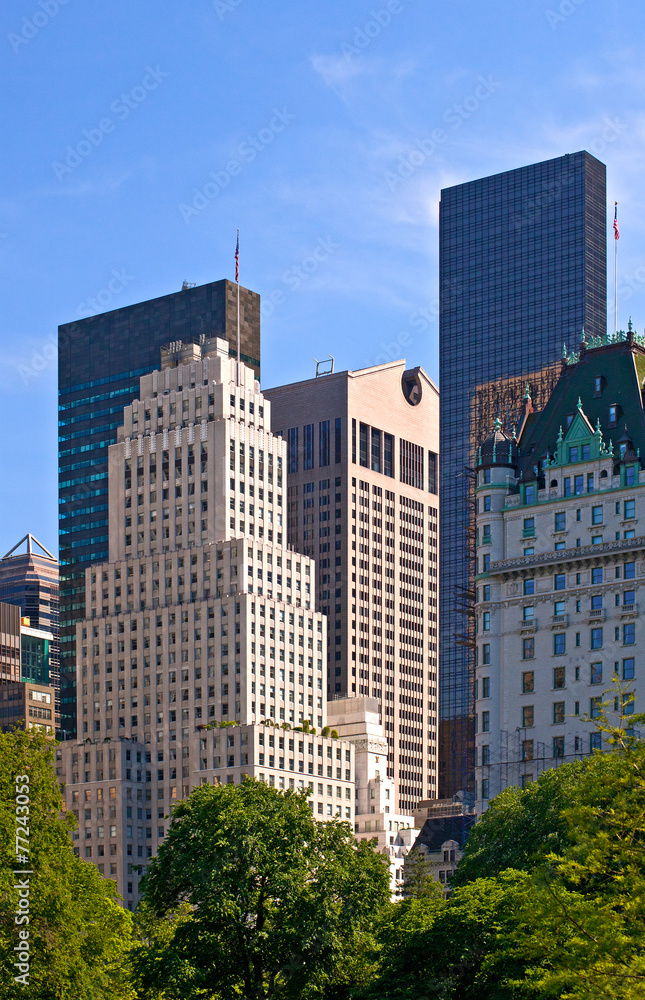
(139, 136)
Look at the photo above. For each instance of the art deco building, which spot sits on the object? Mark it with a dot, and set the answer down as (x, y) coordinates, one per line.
(100, 361)
(362, 467)
(522, 270)
(200, 625)
(560, 560)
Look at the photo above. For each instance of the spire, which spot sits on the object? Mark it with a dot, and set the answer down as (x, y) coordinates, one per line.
(497, 426)
(579, 403)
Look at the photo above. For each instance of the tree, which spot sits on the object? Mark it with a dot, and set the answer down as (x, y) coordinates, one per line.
(78, 934)
(276, 898)
(418, 879)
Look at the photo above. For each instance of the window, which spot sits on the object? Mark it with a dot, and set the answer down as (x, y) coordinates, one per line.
(629, 634)
(323, 443)
(558, 713)
(614, 412)
(630, 474)
(337, 440)
(596, 575)
(411, 464)
(528, 612)
(528, 648)
(485, 722)
(559, 644)
(558, 746)
(578, 485)
(528, 682)
(485, 687)
(388, 455)
(527, 749)
(629, 597)
(485, 755)
(486, 563)
(529, 527)
(486, 504)
(527, 716)
(486, 654)
(292, 449)
(596, 638)
(595, 742)
(630, 509)
(595, 707)
(558, 608)
(628, 703)
(567, 486)
(486, 621)
(629, 570)
(529, 493)
(432, 472)
(558, 678)
(529, 586)
(485, 788)
(596, 514)
(596, 673)
(376, 450)
(308, 446)
(486, 592)
(628, 668)
(573, 454)
(560, 521)
(559, 581)
(596, 602)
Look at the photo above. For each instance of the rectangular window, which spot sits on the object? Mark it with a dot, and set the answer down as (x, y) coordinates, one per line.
(529, 586)
(558, 712)
(630, 475)
(486, 654)
(486, 621)
(485, 788)
(292, 449)
(629, 571)
(337, 440)
(573, 454)
(595, 742)
(411, 464)
(353, 440)
(559, 581)
(485, 722)
(630, 509)
(559, 644)
(528, 682)
(388, 455)
(528, 613)
(323, 443)
(596, 673)
(363, 433)
(596, 638)
(560, 521)
(558, 678)
(628, 668)
(596, 575)
(595, 707)
(628, 703)
(558, 746)
(578, 485)
(529, 493)
(485, 687)
(308, 446)
(567, 486)
(629, 634)
(487, 504)
(433, 463)
(527, 716)
(376, 450)
(529, 527)
(558, 608)
(596, 514)
(486, 563)
(528, 648)
(527, 749)
(485, 755)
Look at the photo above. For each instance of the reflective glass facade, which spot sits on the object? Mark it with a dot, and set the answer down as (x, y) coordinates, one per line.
(100, 360)
(522, 269)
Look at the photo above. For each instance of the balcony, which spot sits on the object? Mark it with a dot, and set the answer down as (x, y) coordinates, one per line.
(559, 621)
(629, 611)
(597, 615)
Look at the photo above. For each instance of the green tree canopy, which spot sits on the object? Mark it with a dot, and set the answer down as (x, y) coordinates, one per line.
(276, 897)
(78, 933)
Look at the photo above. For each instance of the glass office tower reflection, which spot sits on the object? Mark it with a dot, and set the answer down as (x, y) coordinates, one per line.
(522, 270)
(100, 361)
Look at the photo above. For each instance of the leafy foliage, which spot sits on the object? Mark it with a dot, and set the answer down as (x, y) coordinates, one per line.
(276, 898)
(79, 935)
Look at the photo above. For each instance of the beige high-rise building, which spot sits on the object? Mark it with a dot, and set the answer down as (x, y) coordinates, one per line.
(202, 615)
(362, 472)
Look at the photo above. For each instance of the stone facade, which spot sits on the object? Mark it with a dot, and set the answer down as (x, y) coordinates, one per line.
(560, 559)
(362, 467)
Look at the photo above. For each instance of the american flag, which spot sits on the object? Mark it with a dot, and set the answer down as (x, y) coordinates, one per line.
(237, 257)
(616, 232)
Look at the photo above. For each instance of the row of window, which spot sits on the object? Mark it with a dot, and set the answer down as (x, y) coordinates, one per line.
(596, 640)
(559, 677)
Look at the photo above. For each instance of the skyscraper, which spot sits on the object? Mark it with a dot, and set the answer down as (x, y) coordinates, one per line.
(200, 615)
(362, 461)
(522, 270)
(100, 361)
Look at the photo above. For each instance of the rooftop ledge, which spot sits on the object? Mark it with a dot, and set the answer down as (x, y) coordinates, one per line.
(568, 555)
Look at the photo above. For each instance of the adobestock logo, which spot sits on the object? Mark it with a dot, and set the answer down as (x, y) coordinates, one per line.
(32, 25)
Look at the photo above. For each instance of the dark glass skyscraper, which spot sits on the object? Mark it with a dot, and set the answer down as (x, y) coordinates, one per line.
(522, 270)
(100, 360)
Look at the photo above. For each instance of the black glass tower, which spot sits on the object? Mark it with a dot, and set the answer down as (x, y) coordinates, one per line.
(522, 270)
(100, 360)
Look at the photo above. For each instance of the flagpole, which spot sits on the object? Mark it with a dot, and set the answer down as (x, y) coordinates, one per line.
(615, 269)
(237, 278)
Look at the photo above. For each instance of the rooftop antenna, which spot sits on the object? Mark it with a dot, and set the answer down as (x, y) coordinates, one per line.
(188, 284)
(29, 539)
(327, 361)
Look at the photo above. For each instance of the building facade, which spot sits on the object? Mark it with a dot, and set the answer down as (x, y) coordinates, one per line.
(362, 468)
(202, 657)
(522, 271)
(100, 361)
(29, 581)
(560, 559)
